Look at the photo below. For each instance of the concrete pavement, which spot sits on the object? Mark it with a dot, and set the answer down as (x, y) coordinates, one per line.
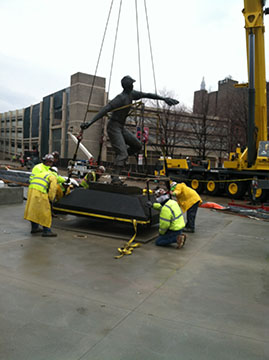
(67, 298)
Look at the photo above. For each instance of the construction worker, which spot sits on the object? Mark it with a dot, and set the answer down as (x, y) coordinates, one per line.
(56, 157)
(92, 176)
(123, 142)
(45, 166)
(189, 201)
(62, 187)
(42, 190)
(171, 222)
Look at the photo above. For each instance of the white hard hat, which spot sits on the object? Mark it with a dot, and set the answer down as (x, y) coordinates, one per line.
(102, 168)
(48, 157)
(173, 185)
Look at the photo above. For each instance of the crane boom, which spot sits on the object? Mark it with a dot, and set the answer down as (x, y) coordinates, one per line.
(254, 26)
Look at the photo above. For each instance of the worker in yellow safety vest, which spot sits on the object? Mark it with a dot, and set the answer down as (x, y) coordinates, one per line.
(47, 162)
(171, 222)
(92, 176)
(189, 201)
(47, 165)
(42, 190)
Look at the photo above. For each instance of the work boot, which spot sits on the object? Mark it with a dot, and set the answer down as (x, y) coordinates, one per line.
(181, 239)
(49, 234)
(35, 231)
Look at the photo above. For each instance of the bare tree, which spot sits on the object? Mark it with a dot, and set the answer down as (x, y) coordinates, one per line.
(208, 133)
(172, 131)
(166, 122)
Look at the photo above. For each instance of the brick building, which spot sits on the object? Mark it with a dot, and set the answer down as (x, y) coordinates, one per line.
(228, 102)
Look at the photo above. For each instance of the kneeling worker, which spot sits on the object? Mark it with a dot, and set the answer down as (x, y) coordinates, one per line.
(171, 222)
(189, 200)
(42, 190)
(92, 176)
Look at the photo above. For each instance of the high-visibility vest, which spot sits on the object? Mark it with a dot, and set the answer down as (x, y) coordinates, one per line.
(91, 176)
(40, 182)
(171, 216)
(39, 168)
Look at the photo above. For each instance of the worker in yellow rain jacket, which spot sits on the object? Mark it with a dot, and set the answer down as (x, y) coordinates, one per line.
(189, 201)
(92, 176)
(42, 190)
(47, 165)
(171, 222)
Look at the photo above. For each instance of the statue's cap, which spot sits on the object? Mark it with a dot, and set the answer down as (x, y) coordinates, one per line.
(127, 81)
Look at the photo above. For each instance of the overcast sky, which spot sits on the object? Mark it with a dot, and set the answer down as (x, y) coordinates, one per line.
(43, 42)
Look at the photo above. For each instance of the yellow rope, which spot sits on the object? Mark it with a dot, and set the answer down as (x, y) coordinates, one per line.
(128, 248)
(99, 216)
(134, 105)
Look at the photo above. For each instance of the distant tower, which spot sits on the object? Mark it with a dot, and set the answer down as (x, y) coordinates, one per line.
(202, 87)
(200, 100)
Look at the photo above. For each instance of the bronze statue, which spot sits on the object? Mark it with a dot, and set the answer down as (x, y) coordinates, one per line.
(122, 140)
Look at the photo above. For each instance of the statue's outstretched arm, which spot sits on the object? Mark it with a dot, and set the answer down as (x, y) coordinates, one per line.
(98, 116)
(169, 101)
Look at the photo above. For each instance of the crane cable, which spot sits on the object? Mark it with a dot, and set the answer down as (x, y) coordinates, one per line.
(109, 83)
(114, 47)
(150, 47)
(80, 135)
(153, 68)
(155, 84)
(138, 45)
(99, 57)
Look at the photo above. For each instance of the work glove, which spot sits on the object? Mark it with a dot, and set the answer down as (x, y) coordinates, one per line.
(84, 126)
(149, 204)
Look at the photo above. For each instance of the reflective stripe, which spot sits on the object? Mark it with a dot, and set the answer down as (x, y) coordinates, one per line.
(34, 183)
(164, 219)
(174, 216)
(40, 183)
(170, 210)
(43, 179)
(178, 216)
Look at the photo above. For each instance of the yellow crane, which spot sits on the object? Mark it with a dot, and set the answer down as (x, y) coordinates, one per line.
(253, 163)
(252, 158)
